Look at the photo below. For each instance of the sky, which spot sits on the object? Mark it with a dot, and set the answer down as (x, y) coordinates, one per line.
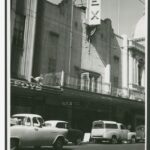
(130, 11)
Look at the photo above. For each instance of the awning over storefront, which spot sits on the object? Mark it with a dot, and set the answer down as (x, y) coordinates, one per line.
(28, 89)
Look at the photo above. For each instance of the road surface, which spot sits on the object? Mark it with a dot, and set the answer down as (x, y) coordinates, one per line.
(137, 146)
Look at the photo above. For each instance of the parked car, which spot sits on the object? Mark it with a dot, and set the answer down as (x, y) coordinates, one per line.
(111, 131)
(29, 130)
(140, 133)
(73, 135)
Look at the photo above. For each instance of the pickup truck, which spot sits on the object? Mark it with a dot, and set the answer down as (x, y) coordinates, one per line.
(29, 130)
(111, 131)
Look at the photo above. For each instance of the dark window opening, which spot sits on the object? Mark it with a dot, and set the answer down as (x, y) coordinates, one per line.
(52, 65)
(116, 59)
(116, 82)
(140, 66)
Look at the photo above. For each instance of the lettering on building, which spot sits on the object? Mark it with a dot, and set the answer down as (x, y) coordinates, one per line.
(93, 12)
(26, 85)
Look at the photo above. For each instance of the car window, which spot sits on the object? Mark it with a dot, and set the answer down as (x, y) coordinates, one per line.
(35, 122)
(41, 121)
(98, 125)
(19, 120)
(122, 127)
(111, 126)
(28, 122)
(61, 125)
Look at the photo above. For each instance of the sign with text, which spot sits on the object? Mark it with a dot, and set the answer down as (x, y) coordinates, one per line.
(26, 85)
(93, 12)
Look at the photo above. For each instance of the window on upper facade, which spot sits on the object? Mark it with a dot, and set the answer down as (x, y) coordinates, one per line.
(52, 65)
(116, 59)
(76, 25)
(52, 49)
(116, 82)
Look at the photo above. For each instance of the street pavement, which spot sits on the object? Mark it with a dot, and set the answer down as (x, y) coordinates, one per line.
(137, 146)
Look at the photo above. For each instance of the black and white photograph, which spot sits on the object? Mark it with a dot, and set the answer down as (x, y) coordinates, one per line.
(77, 74)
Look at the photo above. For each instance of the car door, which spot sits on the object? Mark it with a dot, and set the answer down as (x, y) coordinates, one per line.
(45, 135)
(124, 132)
(29, 135)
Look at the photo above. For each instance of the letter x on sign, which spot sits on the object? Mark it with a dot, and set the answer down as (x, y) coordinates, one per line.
(94, 15)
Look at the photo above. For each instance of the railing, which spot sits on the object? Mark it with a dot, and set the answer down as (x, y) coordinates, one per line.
(58, 79)
(136, 45)
(52, 79)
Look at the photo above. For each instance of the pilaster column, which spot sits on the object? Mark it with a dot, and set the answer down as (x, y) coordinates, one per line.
(92, 84)
(125, 62)
(29, 37)
(134, 70)
(99, 84)
(143, 77)
(106, 87)
(85, 81)
(131, 67)
(107, 74)
(137, 72)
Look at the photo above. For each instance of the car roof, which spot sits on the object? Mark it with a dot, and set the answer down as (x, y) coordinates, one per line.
(55, 121)
(104, 121)
(26, 115)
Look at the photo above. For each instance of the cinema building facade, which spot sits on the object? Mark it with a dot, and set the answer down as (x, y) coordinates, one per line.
(62, 68)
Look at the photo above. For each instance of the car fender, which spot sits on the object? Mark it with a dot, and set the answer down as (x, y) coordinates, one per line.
(111, 133)
(59, 136)
(131, 134)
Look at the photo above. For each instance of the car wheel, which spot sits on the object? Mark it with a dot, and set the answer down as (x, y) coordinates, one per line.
(58, 145)
(78, 141)
(133, 140)
(95, 141)
(114, 140)
(91, 140)
(14, 144)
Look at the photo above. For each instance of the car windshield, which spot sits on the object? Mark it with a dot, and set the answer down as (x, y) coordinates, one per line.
(20, 120)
